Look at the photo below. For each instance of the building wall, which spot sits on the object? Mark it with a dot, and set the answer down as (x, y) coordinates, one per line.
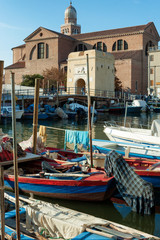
(154, 70)
(131, 68)
(101, 70)
(123, 72)
(18, 75)
(18, 54)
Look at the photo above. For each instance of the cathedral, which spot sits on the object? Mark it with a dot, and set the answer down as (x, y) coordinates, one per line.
(45, 48)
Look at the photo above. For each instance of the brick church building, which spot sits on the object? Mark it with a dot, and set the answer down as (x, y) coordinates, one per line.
(45, 48)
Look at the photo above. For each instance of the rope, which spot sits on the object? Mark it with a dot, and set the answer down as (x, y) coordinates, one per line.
(61, 129)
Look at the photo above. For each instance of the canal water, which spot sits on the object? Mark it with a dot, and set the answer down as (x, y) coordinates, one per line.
(113, 211)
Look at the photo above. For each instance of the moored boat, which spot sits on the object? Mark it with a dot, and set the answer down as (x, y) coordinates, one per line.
(131, 149)
(6, 112)
(138, 135)
(93, 185)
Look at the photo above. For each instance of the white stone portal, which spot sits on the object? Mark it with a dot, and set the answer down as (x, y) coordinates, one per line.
(101, 72)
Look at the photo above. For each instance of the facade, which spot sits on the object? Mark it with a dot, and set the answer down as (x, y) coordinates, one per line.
(101, 73)
(154, 71)
(45, 48)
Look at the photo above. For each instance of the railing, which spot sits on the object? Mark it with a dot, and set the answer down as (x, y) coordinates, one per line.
(29, 93)
(155, 48)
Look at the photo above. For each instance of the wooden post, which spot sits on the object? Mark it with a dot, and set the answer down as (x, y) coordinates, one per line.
(57, 100)
(35, 116)
(1, 79)
(126, 108)
(89, 112)
(15, 157)
(2, 203)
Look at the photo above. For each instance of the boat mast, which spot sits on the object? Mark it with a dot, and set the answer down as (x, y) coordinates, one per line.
(89, 112)
(15, 157)
(35, 116)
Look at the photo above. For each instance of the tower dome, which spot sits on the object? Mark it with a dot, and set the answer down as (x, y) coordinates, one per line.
(70, 14)
(70, 26)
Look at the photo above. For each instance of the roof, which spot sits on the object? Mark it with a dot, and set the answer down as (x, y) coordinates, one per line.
(16, 65)
(118, 31)
(20, 46)
(57, 33)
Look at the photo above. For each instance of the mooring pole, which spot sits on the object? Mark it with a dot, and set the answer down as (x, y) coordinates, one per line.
(1, 79)
(2, 203)
(89, 113)
(35, 116)
(15, 157)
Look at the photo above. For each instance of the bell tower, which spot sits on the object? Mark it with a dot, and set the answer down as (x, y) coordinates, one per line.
(70, 27)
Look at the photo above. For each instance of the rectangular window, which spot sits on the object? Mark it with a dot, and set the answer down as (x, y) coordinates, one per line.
(40, 50)
(120, 44)
(151, 71)
(136, 86)
(151, 57)
(151, 82)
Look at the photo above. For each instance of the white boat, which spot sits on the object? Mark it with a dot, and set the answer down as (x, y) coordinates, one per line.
(6, 112)
(138, 135)
(126, 149)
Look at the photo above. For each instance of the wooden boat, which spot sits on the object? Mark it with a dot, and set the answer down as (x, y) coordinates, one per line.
(147, 169)
(61, 222)
(93, 185)
(136, 135)
(10, 231)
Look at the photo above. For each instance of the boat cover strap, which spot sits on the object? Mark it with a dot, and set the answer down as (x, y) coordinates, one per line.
(137, 193)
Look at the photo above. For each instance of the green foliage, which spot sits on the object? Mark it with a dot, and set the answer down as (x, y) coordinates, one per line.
(29, 80)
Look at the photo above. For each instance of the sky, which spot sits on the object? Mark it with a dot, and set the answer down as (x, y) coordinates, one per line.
(18, 19)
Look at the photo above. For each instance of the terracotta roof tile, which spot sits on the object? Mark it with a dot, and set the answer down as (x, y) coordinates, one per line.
(112, 32)
(16, 65)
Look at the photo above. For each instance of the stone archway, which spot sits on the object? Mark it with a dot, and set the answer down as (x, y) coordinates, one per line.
(80, 86)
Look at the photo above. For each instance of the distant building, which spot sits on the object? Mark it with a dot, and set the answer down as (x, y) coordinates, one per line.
(45, 48)
(154, 71)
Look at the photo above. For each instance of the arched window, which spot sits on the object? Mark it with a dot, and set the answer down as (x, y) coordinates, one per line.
(40, 50)
(100, 46)
(114, 46)
(125, 45)
(47, 50)
(31, 53)
(119, 45)
(80, 47)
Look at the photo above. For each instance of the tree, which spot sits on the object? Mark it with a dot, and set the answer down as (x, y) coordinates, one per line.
(54, 77)
(29, 80)
(118, 83)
